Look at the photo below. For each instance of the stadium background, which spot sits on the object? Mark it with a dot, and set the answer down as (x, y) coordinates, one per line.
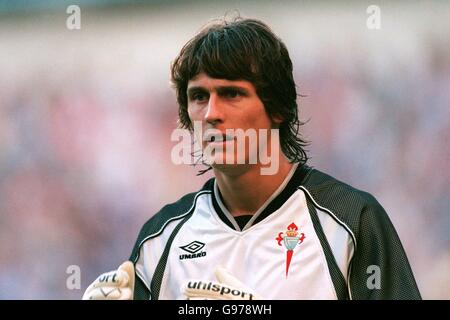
(86, 117)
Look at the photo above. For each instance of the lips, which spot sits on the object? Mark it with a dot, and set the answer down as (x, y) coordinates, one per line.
(217, 137)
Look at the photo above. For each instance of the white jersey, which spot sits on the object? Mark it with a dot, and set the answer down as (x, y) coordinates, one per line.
(299, 245)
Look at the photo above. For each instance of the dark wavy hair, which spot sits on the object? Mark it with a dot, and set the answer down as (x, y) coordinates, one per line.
(244, 49)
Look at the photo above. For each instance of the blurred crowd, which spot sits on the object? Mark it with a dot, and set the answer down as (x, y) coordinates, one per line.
(85, 159)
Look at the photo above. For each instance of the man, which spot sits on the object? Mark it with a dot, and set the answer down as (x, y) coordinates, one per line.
(289, 233)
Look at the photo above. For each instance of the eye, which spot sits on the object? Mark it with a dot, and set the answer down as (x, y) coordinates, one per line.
(232, 93)
(199, 97)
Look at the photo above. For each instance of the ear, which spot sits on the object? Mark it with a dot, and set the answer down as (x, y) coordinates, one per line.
(277, 119)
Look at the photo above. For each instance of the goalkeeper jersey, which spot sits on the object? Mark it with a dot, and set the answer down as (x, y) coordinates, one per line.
(314, 238)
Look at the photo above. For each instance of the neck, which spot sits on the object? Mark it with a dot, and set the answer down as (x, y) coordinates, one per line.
(244, 190)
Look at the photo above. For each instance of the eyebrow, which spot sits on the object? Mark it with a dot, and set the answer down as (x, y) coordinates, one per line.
(219, 89)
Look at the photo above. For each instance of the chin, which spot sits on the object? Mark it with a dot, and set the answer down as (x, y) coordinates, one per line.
(233, 168)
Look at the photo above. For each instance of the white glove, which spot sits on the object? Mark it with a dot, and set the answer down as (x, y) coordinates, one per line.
(113, 285)
(227, 288)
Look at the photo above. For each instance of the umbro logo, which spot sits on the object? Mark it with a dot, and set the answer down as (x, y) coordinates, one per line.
(194, 250)
(193, 247)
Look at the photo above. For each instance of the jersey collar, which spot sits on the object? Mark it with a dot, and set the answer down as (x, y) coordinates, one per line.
(275, 201)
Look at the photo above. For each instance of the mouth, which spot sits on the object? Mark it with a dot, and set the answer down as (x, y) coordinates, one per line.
(217, 138)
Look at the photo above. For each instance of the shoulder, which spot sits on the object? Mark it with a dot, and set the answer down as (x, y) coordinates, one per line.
(329, 189)
(172, 212)
(347, 203)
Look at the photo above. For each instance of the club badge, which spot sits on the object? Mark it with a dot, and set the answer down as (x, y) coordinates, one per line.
(290, 240)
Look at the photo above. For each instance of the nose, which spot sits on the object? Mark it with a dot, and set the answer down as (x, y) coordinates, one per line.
(214, 113)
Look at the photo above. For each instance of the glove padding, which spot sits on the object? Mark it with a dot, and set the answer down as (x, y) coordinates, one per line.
(113, 285)
(227, 288)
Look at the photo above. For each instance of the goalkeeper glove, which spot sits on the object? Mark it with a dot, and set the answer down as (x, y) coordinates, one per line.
(227, 288)
(113, 285)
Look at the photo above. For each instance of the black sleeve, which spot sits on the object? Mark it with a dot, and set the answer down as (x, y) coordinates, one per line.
(380, 268)
(140, 290)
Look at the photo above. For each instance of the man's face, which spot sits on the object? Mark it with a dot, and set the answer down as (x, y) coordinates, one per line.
(225, 105)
